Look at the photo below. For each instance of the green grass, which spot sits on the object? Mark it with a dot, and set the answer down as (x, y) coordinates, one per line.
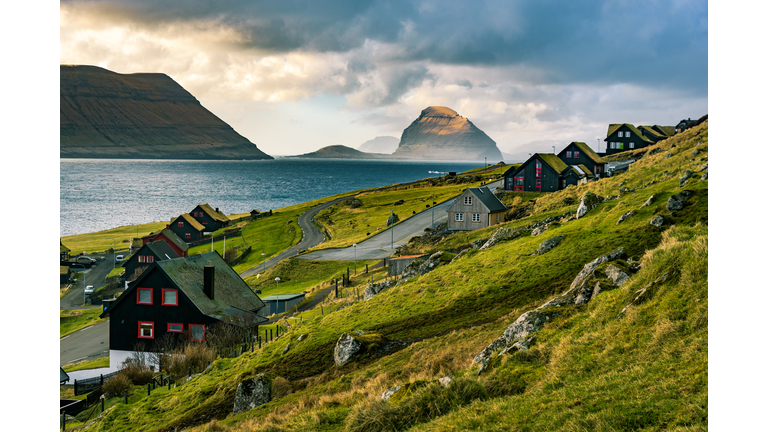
(101, 241)
(71, 321)
(586, 370)
(101, 362)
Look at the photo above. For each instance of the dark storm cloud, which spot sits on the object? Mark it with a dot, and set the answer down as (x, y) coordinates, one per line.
(646, 43)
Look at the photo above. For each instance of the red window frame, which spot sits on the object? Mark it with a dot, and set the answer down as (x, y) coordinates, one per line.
(138, 296)
(538, 168)
(181, 330)
(153, 330)
(162, 298)
(181, 224)
(569, 154)
(187, 236)
(190, 332)
(522, 183)
(575, 154)
(538, 186)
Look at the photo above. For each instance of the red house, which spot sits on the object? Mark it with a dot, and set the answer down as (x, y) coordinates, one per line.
(178, 245)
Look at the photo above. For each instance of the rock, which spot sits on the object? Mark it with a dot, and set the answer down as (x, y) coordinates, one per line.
(685, 177)
(393, 219)
(626, 216)
(695, 152)
(616, 275)
(301, 338)
(657, 221)
(398, 202)
(353, 203)
(372, 290)
(483, 357)
(669, 155)
(548, 244)
(419, 267)
(677, 201)
(345, 348)
(528, 323)
(445, 381)
(641, 294)
(622, 190)
(592, 265)
(705, 176)
(477, 244)
(501, 234)
(539, 230)
(251, 393)
(704, 167)
(588, 201)
(649, 201)
(287, 348)
(390, 391)
(522, 344)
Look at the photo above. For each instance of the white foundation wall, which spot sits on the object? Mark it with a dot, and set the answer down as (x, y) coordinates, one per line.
(117, 357)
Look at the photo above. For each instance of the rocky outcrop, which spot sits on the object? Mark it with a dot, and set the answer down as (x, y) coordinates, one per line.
(588, 201)
(501, 234)
(104, 114)
(251, 393)
(421, 266)
(677, 201)
(657, 221)
(626, 216)
(346, 347)
(441, 133)
(371, 290)
(684, 179)
(548, 244)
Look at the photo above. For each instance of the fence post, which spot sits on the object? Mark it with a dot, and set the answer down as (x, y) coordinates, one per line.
(189, 373)
(102, 404)
(64, 421)
(126, 397)
(101, 376)
(366, 268)
(277, 331)
(75, 387)
(149, 388)
(259, 342)
(270, 335)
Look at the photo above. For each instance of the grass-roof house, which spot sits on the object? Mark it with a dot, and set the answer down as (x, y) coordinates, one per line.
(475, 208)
(211, 219)
(579, 153)
(187, 228)
(542, 172)
(179, 300)
(624, 136)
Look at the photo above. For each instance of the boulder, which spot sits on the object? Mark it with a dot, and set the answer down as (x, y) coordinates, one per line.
(528, 323)
(251, 393)
(483, 357)
(539, 230)
(445, 381)
(677, 201)
(685, 177)
(649, 201)
(393, 219)
(302, 337)
(501, 234)
(287, 348)
(390, 391)
(592, 265)
(588, 201)
(657, 221)
(626, 216)
(346, 347)
(548, 244)
(616, 275)
(372, 290)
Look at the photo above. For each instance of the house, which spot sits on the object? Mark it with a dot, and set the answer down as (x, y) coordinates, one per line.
(684, 125)
(187, 228)
(63, 251)
(475, 208)
(147, 255)
(576, 175)
(209, 218)
(65, 275)
(177, 244)
(542, 172)
(624, 136)
(255, 214)
(579, 153)
(179, 299)
(397, 265)
(283, 302)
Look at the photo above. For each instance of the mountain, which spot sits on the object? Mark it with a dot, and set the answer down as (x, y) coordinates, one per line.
(380, 144)
(104, 114)
(341, 152)
(441, 134)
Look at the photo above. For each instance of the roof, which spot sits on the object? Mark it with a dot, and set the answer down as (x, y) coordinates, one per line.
(553, 161)
(172, 237)
(613, 127)
(63, 248)
(191, 221)
(254, 211)
(488, 198)
(283, 297)
(219, 216)
(232, 296)
(63, 377)
(64, 270)
(587, 150)
(159, 248)
(581, 170)
(585, 169)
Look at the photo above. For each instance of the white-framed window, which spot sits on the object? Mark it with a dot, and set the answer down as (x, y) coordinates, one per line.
(631, 145)
(467, 200)
(621, 134)
(146, 330)
(459, 217)
(626, 134)
(475, 217)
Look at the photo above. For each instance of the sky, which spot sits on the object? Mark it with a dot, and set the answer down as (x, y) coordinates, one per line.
(295, 76)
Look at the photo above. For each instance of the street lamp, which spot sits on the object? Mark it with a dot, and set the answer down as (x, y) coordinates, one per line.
(113, 251)
(263, 263)
(433, 210)
(354, 247)
(277, 280)
(392, 229)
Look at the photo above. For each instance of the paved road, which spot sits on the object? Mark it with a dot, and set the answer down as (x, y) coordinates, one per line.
(385, 243)
(95, 276)
(86, 344)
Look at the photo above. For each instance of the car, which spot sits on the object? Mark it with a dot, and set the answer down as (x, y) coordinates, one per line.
(119, 258)
(89, 290)
(86, 259)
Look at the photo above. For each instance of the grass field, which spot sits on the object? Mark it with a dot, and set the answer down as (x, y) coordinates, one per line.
(71, 321)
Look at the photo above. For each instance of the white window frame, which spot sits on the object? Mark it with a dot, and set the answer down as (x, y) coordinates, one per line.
(475, 217)
(626, 134)
(467, 200)
(459, 217)
(621, 134)
(631, 145)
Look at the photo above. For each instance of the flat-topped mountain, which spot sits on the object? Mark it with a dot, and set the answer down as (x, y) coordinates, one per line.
(104, 114)
(440, 133)
(341, 152)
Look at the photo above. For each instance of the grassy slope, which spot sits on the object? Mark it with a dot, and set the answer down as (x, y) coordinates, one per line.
(587, 370)
(71, 321)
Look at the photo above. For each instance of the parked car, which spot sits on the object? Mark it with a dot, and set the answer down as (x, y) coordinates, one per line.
(89, 290)
(85, 259)
(119, 258)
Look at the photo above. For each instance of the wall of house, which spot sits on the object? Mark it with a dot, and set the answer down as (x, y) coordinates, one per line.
(582, 159)
(458, 207)
(550, 180)
(187, 228)
(283, 305)
(633, 138)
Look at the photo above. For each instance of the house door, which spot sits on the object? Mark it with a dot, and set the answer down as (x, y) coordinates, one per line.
(562, 183)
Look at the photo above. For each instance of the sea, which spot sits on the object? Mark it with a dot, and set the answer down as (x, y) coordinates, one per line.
(100, 194)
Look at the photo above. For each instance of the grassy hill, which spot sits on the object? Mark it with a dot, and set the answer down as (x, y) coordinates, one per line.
(634, 357)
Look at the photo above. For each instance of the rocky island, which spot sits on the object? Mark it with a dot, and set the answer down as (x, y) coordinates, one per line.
(104, 114)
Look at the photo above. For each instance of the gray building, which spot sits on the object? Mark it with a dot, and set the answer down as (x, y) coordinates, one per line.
(281, 303)
(398, 264)
(475, 208)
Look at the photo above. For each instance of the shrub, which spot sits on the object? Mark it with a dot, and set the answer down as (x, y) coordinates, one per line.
(280, 387)
(136, 369)
(116, 385)
(192, 356)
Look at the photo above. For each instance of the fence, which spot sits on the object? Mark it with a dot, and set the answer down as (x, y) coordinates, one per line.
(90, 384)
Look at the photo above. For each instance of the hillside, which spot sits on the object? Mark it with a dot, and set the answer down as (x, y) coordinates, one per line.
(341, 152)
(104, 114)
(440, 133)
(607, 330)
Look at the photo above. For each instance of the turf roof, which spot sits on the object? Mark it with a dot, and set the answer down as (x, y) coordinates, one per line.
(192, 222)
(553, 161)
(587, 150)
(219, 216)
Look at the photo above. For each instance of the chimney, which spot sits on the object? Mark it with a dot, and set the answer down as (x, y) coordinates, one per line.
(208, 272)
(167, 226)
(217, 209)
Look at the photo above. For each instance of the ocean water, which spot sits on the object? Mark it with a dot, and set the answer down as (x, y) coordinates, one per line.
(99, 194)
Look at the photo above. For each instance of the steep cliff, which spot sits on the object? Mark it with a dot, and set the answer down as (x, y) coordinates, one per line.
(104, 114)
(441, 134)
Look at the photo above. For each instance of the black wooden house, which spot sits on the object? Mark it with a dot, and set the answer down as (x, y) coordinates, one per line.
(542, 172)
(579, 153)
(187, 228)
(624, 136)
(147, 255)
(182, 297)
(211, 219)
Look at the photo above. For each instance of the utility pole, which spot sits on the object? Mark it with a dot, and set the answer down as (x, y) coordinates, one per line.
(433, 210)
(392, 229)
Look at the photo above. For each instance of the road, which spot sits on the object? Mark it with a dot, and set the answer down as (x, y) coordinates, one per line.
(86, 344)
(95, 276)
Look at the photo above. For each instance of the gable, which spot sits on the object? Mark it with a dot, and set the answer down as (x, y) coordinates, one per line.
(481, 196)
(213, 214)
(186, 218)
